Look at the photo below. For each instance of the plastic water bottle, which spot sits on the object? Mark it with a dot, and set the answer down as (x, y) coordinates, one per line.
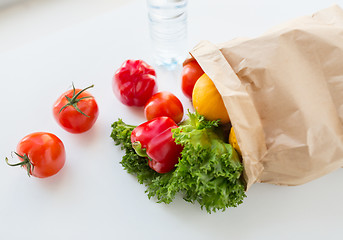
(168, 31)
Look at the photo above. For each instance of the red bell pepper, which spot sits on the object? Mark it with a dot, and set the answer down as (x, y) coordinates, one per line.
(153, 139)
(134, 83)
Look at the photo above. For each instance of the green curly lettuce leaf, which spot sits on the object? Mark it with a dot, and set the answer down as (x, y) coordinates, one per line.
(132, 163)
(209, 171)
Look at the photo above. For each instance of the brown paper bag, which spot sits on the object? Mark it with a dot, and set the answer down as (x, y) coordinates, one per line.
(284, 94)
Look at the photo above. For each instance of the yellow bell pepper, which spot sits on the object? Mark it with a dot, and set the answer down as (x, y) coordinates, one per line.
(233, 141)
(207, 101)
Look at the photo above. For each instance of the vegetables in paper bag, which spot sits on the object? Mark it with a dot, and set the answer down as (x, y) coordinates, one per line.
(207, 101)
(191, 72)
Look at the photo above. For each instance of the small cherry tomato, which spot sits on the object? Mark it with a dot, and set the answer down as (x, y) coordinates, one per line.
(164, 104)
(134, 83)
(76, 110)
(41, 153)
(190, 74)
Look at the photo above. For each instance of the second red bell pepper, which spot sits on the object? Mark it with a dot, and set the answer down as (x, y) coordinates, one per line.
(153, 139)
(134, 83)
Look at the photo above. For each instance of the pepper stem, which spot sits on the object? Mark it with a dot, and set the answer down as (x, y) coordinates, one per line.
(139, 150)
(74, 100)
(26, 162)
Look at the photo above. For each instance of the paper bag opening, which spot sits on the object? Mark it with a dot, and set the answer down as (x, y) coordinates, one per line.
(284, 94)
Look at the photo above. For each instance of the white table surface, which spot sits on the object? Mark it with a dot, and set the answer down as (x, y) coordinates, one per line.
(92, 197)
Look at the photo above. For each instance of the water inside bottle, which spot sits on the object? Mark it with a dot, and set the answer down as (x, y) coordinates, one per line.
(168, 30)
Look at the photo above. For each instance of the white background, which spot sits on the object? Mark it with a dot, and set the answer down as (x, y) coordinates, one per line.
(92, 197)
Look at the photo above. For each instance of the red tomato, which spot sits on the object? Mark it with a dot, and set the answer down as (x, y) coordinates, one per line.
(41, 153)
(76, 110)
(164, 104)
(134, 83)
(190, 74)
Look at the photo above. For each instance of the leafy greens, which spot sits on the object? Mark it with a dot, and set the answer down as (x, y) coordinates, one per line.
(209, 171)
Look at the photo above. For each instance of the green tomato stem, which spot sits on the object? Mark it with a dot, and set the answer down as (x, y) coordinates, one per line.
(26, 162)
(74, 100)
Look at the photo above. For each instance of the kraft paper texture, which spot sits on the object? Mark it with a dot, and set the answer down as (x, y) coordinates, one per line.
(284, 94)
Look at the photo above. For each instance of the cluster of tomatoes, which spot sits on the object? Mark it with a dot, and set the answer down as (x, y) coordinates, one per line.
(42, 154)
